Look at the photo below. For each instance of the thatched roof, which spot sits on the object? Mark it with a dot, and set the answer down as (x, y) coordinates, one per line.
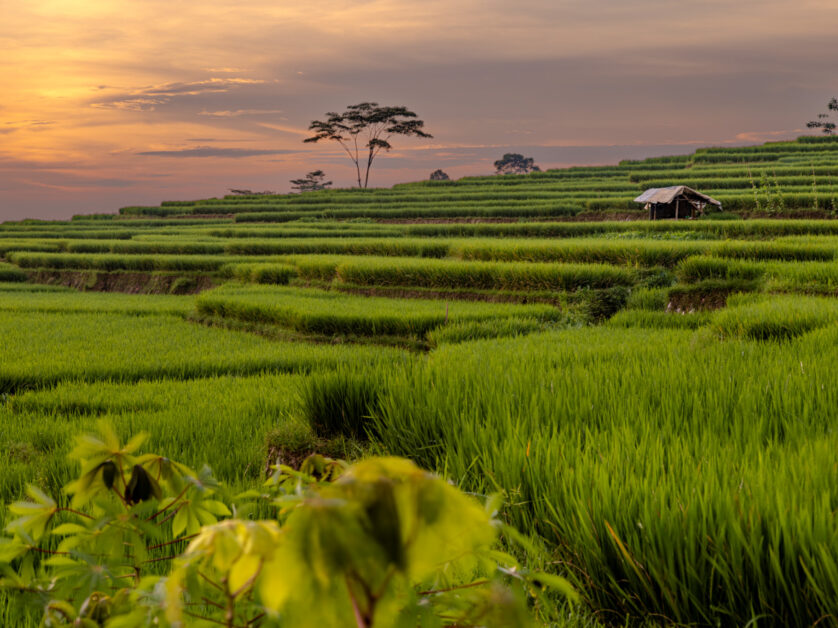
(667, 195)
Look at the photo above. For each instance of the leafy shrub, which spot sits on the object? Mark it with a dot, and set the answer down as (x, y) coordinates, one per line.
(375, 544)
(598, 305)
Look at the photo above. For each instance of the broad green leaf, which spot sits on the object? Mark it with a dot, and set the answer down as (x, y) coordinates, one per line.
(10, 549)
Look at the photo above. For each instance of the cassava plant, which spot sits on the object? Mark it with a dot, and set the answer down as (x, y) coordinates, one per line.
(140, 540)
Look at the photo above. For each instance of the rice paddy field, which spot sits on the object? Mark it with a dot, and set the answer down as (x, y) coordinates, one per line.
(656, 401)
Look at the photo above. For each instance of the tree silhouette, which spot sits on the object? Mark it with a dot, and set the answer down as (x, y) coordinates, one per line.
(439, 175)
(823, 123)
(366, 127)
(515, 163)
(314, 180)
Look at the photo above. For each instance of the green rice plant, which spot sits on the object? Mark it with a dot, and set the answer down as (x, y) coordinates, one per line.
(310, 230)
(329, 313)
(333, 246)
(808, 277)
(582, 250)
(773, 250)
(41, 349)
(524, 210)
(339, 402)
(226, 417)
(80, 232)
(111, 262)
(652, 461)
(9, 245)
(492, 328)
(262, 273)
(315, 267)
(72, 301)
(659, 319)
(780, 318)
(181, 246)
(699, 268)
(648, 299)
(10, 273)
(17, 286)
(482, 275)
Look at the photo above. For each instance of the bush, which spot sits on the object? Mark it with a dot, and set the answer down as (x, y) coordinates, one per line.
(366, 545)
(598, 305)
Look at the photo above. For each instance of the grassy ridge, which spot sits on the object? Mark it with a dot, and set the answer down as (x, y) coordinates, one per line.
(653, 470)
(187, 419)
(429, 273)
(41, 349)
(316, 311)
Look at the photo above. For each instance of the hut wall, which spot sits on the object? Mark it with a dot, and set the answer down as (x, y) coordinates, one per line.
(662, 211)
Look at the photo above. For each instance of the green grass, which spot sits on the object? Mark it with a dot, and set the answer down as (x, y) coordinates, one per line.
(111, 262)
(10, 273)
(262, 273)
(330, 313)
(185, 420)
(40, 300)
(41, 349)
(430, 273)
(679, 466)
(776, 318)
(676, 476)
(659, 320)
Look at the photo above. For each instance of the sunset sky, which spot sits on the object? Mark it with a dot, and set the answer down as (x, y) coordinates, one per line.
(108, 103)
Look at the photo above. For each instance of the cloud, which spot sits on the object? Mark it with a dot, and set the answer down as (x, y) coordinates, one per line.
(236, 113)
(209, 151)
(148, 98)
(32, 125)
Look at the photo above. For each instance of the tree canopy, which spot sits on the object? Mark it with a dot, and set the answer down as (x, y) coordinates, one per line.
(314, 180)
(364, 130)
(439, 175)
(515, 163)
(823, 123)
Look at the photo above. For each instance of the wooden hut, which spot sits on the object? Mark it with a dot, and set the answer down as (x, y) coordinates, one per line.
(677, 201)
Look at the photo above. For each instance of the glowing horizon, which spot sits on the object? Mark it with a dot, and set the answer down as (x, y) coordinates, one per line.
(109, 104)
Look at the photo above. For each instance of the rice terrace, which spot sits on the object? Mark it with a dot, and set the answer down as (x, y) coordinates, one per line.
(580, 396)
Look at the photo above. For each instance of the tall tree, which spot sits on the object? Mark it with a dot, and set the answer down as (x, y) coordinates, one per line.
(823, 123)
(515, 163)
(364, 130)
(314, 180)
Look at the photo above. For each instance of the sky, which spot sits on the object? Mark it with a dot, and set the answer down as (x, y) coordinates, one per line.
(107, 103)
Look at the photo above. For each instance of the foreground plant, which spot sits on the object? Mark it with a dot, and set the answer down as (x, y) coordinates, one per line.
(147, 541)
